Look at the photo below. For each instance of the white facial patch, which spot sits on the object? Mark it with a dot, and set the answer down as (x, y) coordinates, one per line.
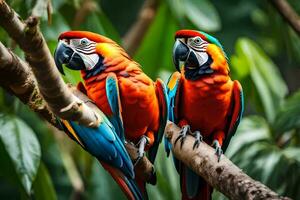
(90, 60)
(87, 51)
(202, 57)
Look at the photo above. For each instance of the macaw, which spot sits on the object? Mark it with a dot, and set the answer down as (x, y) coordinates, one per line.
(143, 104)
(204, 101)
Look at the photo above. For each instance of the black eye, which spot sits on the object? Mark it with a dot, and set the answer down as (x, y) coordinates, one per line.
(197, 40)
(84, 41)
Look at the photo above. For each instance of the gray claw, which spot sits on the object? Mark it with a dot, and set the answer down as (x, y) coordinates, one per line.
(218, 149)
(141, 148)
(198, 139)
(182, 135)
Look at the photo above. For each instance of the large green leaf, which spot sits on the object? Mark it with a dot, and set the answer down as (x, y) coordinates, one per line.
(264, 74)
(289, 115)
(22, 147)
(251, 129)
(43, 186)
(255, 150)
(40, 8)
(202, 14)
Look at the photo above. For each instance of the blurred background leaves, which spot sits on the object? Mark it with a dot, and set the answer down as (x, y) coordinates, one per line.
(38, 162)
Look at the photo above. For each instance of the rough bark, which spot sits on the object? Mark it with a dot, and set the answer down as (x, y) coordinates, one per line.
(223, 175)
(17, 78)
(136, 33)
(288, 13)
(60, 100)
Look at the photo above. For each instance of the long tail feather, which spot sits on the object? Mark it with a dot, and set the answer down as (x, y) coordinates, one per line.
(128, 185)
(193, 187)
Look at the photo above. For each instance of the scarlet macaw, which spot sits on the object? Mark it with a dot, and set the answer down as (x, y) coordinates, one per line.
(110, 75)
(204, 101)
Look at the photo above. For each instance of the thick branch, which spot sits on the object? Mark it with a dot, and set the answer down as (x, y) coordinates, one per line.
(136, 33)
(288, 13)
(223, 175)
(60, 100)
(17, 78)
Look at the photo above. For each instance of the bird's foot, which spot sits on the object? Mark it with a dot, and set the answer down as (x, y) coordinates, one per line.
(198, 139)
(218, 149)
(182, 134)
(141, 148)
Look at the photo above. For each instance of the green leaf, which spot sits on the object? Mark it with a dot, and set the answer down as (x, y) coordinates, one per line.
(43, 186)
(292, 154)
(264, 74)
(40, 8)
(155, 52)
(251, 130)
(97, 22)
(255, 151)
(202, 14)
(289, 115)
(22, 147)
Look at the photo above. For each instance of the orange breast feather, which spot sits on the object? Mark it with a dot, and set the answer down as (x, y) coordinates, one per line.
(205, 103)
(139, 104)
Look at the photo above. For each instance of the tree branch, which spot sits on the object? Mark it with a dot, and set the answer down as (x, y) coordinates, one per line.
(136, 33)
(223, 175)
(60, 100)
(288, 13)
(16, 77)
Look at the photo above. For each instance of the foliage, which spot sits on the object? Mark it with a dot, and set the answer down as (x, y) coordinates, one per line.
(39, 163)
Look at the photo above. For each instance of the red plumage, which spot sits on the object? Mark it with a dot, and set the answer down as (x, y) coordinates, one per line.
(211, 104)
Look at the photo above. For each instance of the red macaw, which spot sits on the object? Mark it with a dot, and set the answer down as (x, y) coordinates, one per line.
(142, 102)
(204, 101)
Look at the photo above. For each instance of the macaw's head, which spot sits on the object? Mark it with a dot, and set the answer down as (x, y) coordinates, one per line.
(86, 51)
(200, 53)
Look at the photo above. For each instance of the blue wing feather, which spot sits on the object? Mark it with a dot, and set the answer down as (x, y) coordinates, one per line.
(172, 92)
(104, 143)
(112, 93)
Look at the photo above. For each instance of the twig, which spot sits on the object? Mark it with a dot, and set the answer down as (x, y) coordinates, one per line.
(136, 33)
(59, 99)
(223, 175)
(288, 13)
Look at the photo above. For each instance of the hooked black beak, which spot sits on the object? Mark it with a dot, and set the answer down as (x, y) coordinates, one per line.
(66, 55)
(180, 53)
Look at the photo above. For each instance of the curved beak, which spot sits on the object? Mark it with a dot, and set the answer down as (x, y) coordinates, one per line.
(66, 55)
(180, 53)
